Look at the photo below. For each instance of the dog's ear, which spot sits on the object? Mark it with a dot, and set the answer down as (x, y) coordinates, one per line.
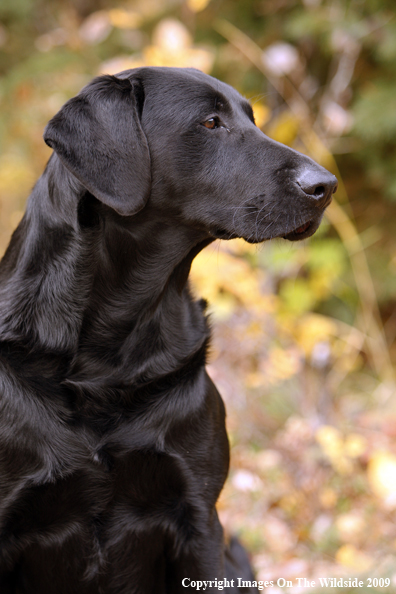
(99, 138)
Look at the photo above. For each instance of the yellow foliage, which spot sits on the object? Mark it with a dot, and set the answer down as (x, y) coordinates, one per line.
(120, 63)
(255, 379)
(292, 502)
(296, 296)
(346, 362)
(188, 58)
(340, 452)
(254, 330)
(285, 128)
(312, 329)
(15, 218)
(321, 283)
(240, 247)
(381, 474)
(170, 35)
(197, 5)
(172, 46)
(226, 281)
(350, 556)
(281, 365)
(355, 445)
(350, 526)
(330, 440)
(328, 498)
(262, 114)
(16, 175)
(124, 19)
(342, 465)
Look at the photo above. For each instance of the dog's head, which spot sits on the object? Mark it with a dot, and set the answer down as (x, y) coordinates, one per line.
(182, 142)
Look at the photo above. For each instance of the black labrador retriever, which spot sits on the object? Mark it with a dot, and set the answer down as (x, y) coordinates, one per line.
(113, 442)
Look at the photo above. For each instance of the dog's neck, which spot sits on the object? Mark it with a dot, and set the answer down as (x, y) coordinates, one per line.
(95, 286)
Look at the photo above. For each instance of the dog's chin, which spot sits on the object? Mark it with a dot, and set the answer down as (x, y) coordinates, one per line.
(303, 231)
(219, 233)
(297, 234)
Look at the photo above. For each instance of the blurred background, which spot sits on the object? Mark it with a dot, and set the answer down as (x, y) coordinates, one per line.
(304, 345)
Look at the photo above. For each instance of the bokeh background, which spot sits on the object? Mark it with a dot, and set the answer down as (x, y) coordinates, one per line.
(304, 346)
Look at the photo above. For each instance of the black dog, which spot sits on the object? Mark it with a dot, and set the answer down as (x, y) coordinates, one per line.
(113, 443)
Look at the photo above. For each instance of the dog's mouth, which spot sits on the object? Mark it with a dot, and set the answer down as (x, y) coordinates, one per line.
(301, 232)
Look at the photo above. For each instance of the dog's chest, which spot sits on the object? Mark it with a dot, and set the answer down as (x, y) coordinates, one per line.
(144, 488)
(136, 506)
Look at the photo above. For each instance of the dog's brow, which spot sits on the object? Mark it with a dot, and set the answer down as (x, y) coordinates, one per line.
(222, 104)
(247, 108)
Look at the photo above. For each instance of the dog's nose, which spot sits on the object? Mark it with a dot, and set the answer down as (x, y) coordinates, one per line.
(318, 184)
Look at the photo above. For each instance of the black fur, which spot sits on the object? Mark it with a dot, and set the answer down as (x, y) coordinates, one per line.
(113, 448)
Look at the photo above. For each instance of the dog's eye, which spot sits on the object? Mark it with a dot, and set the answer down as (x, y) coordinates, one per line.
(211, 123)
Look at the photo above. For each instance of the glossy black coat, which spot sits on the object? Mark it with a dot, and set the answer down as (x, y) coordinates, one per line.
(113, 449)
